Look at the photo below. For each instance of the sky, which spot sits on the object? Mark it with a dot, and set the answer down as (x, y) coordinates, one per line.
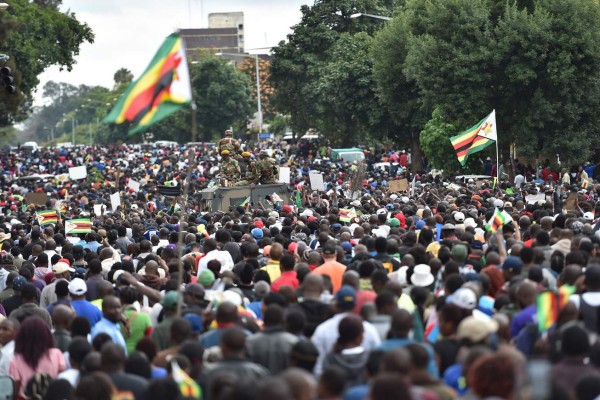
(129, 32)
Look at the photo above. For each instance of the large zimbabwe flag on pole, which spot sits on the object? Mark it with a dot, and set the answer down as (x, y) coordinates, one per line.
(475, 139)
(163, 88)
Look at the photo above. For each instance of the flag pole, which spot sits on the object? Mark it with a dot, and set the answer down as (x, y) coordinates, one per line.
(497, 157)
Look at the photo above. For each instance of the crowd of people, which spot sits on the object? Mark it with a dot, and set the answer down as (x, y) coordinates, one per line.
(436, 292)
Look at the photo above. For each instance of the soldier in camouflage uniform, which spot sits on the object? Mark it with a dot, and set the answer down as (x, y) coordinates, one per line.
(229, 143)
(268, 172)
(230, 169)
(249, 172)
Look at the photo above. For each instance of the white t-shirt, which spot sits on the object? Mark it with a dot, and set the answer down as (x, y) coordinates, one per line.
(592, 298)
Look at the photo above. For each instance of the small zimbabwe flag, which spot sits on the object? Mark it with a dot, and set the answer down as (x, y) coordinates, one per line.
(81, 225)
(47, 217)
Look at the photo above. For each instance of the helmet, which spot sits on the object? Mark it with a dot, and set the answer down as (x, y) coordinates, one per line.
(264, 153)
(229, 132)
(225, 153)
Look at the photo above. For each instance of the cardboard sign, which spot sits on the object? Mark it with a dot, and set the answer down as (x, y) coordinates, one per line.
(400, 185)
(115, 201)
(134, 185)
(284, 175)
(534, 198)
(39, 199)
(78, 173)
(316, 181)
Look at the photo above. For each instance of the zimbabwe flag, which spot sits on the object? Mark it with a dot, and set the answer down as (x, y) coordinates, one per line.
(47, 217)
(161, 90)
(81, 225)
(475, 139)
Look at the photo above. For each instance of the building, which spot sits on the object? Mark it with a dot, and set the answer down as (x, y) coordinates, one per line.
(225, 34)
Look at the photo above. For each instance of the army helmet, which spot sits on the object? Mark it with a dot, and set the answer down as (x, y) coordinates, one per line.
(263, 153)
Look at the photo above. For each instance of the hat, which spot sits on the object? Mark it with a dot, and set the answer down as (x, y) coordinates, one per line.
(102, 232)
(170, 300)
(257, 233)
(6, 259)
(345, 298)
(232, 297)
(422, 276)
(420, 224)
(206, 277)
(470, 223)
(513, 264)
(459, 217)
(464, 298)
(4, 236)
(246, 154)
(394, 222)
(448, 227)
(225, 153)
(588, 216)
(306, 213)
(79, 273)
(259, 224)
(77, 287)
(19, 282)
(195, 322)
(329, 250)
(195, 289)
(476, 330)
(61, 267)
(65, 260)
(347, 246)
(498, 203)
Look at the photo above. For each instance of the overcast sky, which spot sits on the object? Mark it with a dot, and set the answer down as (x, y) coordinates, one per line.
(129, 32)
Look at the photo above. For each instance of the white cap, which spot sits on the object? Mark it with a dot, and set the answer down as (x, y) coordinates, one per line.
(588, 216)
(459, 217)
(77, 287)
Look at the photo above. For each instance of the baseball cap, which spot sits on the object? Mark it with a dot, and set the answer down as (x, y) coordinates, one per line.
(6, 259)
(195, 289)
(588, 216)
(19, 282)
(328, 250)
(170, 300)
(206, 277)
(79, 273)
(61, 267)
(257, 233)
(345, 298)
(448, 227)
(476, 330)
(77, 287)
(464, 298)
(513, 264)
(195, 322)
(394, 222)
(347, 246)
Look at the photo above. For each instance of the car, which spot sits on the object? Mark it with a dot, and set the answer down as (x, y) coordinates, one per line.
(30, 147)
(165, 143)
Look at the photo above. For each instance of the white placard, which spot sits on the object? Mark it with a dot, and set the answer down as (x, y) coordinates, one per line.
(115, 201)
(98, 210)
(316, 182)
(134, 185)
(534, 198)
(284, 175)
(78, 172)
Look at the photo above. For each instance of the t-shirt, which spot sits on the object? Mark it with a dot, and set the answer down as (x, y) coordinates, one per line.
(140, 326)
(84, 308)
(52, 363)
(335, 271)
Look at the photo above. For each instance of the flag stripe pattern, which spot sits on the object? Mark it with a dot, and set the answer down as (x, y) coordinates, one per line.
(47, 217)
(549, 304)
(469, 142)
(161, 90)
(498, 219)
(81, 225)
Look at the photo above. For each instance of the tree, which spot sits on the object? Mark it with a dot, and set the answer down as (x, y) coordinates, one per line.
(123, 77)
(36, 35)
(248, 67)
(296, 65)
(223, 99)
(535, 62)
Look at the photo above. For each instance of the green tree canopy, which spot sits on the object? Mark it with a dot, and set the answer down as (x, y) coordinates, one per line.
(36, 35)
(535, 62)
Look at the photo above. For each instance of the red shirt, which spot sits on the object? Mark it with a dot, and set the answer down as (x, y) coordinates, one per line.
(287, 278)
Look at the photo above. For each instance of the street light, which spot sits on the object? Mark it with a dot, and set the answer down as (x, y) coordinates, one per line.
(357, 15)
(259, 116)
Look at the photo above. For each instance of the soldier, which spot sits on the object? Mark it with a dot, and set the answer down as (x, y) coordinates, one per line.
(251, 174)
(245, 162)
(268, 171)
(230, 169)
(229, 143)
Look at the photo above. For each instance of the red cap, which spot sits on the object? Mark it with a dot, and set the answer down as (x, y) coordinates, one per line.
(292, 247)
(259, 224)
